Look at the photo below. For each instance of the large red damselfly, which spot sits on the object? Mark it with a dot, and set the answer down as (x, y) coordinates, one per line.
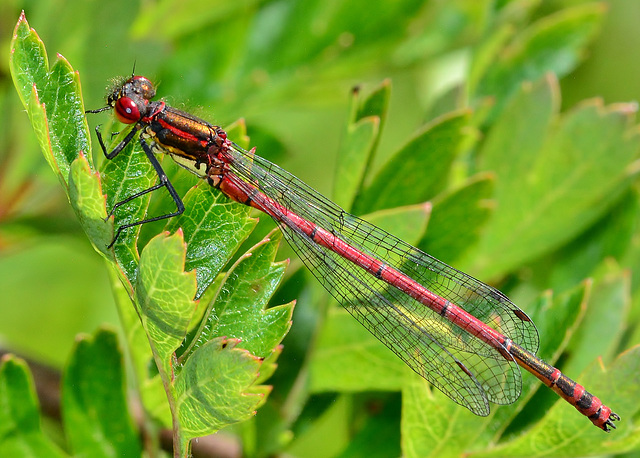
(463, 336)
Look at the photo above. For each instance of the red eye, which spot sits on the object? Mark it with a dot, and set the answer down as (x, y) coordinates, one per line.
(127, 111)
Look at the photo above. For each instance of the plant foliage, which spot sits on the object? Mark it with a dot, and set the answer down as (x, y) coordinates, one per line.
(491, 175)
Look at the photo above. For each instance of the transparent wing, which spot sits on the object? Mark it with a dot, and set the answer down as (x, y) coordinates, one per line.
(465, 368)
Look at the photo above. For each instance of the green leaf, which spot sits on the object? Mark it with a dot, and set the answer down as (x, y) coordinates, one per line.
(354, 155)
(420, 169)
(214, 375)
(214, 228)
(607, 308)
(609, 238)
(20, 431)
(333, 423)
(546, 173)
(430, 420)
(164, 293)
(95, 413)
(557, 319)
(349, 358)
(555, 43)
(216, 388)
(361, 140)
(125, 175)
(566, 432)
(238, 310)
(458, 218)
(407, 223)
(88, 201)
(52, 99)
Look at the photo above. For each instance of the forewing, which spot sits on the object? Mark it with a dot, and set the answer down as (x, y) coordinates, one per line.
(462, 366)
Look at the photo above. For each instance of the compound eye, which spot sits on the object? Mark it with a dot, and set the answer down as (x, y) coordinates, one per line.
(145, 87)
(127, 111)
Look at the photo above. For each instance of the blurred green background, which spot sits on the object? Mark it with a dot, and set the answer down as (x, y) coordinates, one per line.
(287, 67)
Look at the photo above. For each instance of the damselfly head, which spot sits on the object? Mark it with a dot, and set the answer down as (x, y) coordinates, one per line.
(129, 98)
(133, 87)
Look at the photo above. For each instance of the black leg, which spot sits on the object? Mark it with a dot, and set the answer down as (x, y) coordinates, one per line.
(100, 110)
(164, 182)
(134, 196)
(120, 146)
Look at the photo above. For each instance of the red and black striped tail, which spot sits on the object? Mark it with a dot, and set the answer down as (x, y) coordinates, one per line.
(586, 403)
(572, 392)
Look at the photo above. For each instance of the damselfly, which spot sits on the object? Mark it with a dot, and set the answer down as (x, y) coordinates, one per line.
(463, 336)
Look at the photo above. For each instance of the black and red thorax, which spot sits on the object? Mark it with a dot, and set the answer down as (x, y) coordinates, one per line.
(192, 142)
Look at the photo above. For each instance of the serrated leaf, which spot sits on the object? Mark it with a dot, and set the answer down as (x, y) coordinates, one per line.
(28, 60)
(239, 308)
(215, 388)
(54, 104)
(87, 199)
(269, 365)
(124, 176)
(164, 293)
(52, 99)
(20, 431)
(418, 171)
(95, 413)
(214, 228)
